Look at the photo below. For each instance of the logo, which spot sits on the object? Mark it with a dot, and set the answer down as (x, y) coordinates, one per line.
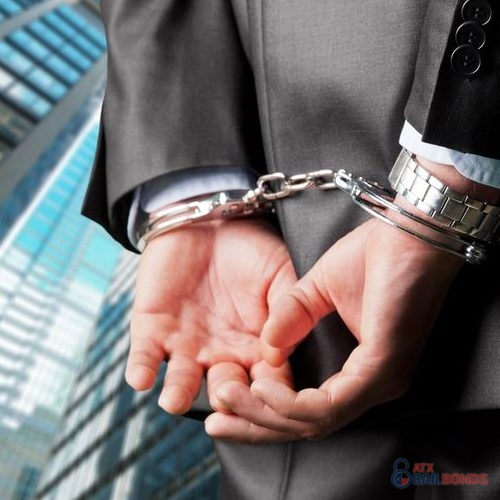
(401, 478)
(423, 474)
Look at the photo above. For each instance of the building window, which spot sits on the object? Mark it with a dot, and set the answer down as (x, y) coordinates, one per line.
(13, 127)
(28, 100)
(76, 58)
(13, 59)
(29, 44)
(46, 83)
(45, 34)
(10, 8)
(62, 69)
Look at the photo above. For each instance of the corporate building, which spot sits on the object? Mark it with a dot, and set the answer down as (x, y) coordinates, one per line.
(90, 436)
(119, 444)
(52, 58)
(54, 265)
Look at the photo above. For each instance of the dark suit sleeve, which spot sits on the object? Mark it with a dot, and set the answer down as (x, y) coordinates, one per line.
(455, 98)
(179, 94)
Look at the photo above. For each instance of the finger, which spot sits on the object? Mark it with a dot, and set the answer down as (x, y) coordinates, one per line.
(182, 384)
(365, 380)
(274, 356)
(368, 378)
(244, 354)
(219, 374)
(236, 397)
(263, 370)
(293, 315)
(146, 353)
(308, 405)
(284, 279)
(236, 429)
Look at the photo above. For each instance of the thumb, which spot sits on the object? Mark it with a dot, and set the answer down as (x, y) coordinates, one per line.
(292, 315)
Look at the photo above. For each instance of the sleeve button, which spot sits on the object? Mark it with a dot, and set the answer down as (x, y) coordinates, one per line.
(477, 10)
(470, 33)
(466, 60)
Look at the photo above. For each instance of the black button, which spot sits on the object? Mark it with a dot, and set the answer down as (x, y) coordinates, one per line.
(470, 33)
(477, 10)
(466, 60)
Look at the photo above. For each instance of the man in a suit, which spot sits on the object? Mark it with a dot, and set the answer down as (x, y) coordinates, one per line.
(386, 347)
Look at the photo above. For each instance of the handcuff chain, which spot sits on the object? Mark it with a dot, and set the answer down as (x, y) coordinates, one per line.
(369, 195)
(278, 185)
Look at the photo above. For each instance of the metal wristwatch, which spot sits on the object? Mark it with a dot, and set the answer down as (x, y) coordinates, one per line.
(439, 202)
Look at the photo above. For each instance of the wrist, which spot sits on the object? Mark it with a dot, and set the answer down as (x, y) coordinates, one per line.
(216, 206)
(456, 214)
(450, 176)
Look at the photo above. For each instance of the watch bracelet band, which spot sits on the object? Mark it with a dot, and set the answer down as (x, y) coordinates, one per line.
(379, 202)
(439, 202)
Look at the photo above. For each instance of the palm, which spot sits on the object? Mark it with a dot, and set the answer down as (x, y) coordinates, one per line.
(387, 287)
(202, 296)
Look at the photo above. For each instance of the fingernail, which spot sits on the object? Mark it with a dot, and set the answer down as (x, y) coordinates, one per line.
(163, 400)
(173, 401)
(221, 406)
(209, 428)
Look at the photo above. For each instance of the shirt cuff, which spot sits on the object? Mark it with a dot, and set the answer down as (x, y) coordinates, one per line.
(184, 184)
(477, 168)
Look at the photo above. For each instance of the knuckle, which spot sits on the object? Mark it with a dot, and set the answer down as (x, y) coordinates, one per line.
(215, 403)
(146, 346)
(140, 357)
(225, 392)
(181, 376)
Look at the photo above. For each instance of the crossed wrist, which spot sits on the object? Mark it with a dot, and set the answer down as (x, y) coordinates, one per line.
(460, 216)
(450, 215)
(450, 176)
(215, 206)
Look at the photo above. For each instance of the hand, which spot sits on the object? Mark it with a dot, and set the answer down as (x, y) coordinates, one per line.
(202, 297)
(388, 288)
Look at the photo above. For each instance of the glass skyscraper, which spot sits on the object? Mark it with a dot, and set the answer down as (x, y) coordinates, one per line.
(54, 264)
(116, 443)
(44, 54)
(52, 57)
(54, 268)
(110, 442)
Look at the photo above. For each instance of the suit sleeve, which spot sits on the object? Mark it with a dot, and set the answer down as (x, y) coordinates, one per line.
(455, 97)
(179, 94)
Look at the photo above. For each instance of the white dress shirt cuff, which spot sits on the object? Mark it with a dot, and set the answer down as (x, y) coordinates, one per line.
(477, 168)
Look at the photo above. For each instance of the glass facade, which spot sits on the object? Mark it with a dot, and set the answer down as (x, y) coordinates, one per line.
(40, 61)
(32, 51)
(90, 436)
(116, 443)
(55, 266)
(11, 8)
(26, 189)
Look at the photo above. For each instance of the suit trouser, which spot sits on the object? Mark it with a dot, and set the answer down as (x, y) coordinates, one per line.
(358, 462)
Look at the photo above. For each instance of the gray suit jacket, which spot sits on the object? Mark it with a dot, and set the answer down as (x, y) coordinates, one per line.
(291, 86)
